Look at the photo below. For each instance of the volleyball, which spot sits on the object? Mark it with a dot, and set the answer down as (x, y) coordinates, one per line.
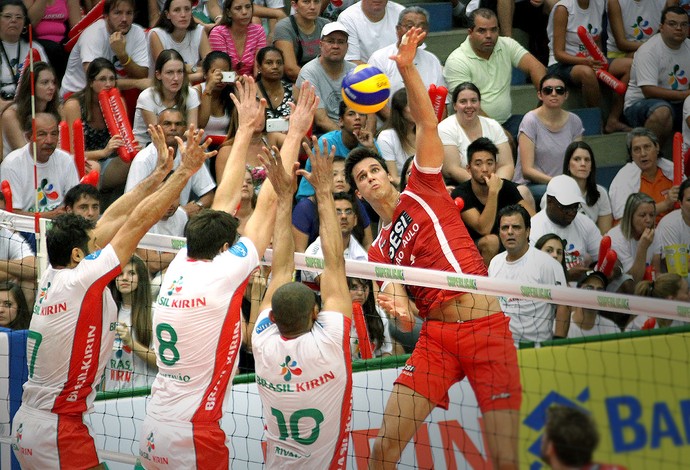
(366, 89)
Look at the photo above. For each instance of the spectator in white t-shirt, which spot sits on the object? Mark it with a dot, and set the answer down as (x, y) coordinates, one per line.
(580, 165)
(170, 90)
(370, 26)
(634, 239)
(115, 38)
(530, 320)
(562, 217)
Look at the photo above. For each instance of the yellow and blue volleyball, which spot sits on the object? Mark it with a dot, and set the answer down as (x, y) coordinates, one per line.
(366, 89)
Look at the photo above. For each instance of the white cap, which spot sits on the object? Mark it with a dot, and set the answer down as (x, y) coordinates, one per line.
(332, 28)
(565, 190)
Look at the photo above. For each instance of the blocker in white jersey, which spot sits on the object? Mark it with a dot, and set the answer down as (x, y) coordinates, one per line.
(302, 356)
(197, 319)
(305, 385)
(74, 317)
(71, 336)
(197, 338)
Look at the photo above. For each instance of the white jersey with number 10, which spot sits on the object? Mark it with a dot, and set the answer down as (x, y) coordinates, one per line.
(305, 385)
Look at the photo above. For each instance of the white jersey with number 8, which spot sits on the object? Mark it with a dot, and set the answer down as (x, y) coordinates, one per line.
(197, 333)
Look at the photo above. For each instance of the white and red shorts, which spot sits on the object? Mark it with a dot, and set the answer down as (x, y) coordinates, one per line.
(175, 445)
(41, 439)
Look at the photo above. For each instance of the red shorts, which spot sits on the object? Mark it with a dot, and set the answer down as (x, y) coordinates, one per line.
(481, 350)
(41, 439)
(174, 444)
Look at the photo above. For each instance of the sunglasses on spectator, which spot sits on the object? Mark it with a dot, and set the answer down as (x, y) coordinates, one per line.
(548, 90)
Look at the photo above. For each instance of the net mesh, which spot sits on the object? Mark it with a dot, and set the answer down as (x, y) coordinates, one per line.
(635, 384)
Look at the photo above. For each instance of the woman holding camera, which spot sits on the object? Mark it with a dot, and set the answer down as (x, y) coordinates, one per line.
(215, 110)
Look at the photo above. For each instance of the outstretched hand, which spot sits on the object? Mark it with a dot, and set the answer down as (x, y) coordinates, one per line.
(302, 113)
(284, 183)
(321, 176)
(249, 110)
(397, 307)
(194, 152)
(165, 153)
(408, 47)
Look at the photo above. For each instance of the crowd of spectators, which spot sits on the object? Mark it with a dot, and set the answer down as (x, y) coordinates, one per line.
(179, 66)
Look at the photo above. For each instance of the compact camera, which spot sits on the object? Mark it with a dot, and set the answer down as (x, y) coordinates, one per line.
(277, 125)
(7, 95)
(229, 77)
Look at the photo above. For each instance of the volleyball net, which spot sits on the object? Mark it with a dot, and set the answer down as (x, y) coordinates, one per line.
(635, 384)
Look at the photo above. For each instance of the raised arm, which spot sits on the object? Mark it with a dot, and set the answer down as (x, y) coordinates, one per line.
(152, 208)
(283, 262)
(335, 294)
(249, 110)
(119, 211)
(259, 226)
(428, 143)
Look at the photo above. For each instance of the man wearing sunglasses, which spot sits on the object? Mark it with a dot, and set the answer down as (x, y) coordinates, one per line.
(562, 217)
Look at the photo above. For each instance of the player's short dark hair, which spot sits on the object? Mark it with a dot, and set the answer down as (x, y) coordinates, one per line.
(292, 305)
(208, 231)
(67, 231)
(355, 156)
(76, 192)
(573, 434)
(482, 144)
(516, 209)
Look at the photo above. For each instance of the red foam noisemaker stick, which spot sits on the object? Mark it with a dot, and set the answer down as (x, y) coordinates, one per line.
(604, 247)
(591, 46)
(7, 194)
(649, 274)
(91, 178)
(609, 263)
(459, 203)
(611, 81)
(217, 139)
(438, 96)
(365, 348)
(79, 149)
(64, 136)
(93, 14)
(115, 117)
(677, 161)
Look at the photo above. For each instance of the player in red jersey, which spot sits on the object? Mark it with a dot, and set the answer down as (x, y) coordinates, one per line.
(464, 334)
